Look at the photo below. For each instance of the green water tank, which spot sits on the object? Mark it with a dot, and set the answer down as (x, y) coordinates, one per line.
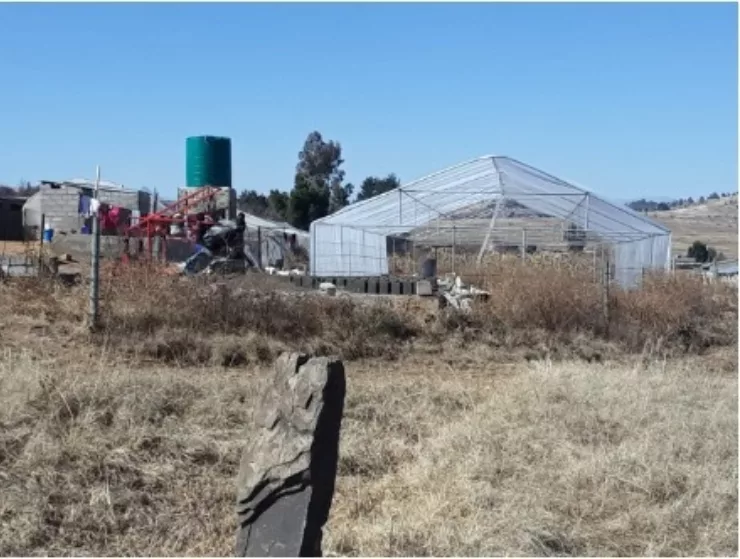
(208, 161)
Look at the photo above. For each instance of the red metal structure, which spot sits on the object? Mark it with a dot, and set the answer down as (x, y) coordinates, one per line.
(157, 224)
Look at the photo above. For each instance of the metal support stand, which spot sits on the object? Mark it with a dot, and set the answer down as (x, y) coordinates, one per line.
(491, 225)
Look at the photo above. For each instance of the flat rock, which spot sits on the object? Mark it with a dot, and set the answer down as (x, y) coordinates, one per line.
(288, 469)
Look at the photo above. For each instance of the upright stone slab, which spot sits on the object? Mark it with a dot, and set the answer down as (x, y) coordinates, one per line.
(288, 469)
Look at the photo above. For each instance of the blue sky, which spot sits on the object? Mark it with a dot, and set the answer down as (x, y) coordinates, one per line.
(628, 100)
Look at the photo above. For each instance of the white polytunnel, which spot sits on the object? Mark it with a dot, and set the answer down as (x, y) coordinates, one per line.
(353, 241)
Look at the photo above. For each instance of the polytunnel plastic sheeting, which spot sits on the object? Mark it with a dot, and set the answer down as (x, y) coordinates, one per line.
(549, 195)
(337, 250)
(633, 258)
(419, 202)
(352, 241)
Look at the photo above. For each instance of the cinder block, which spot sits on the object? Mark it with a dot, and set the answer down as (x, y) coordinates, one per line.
(396, 288)
(384, 287)
(357, 286)
(373, 286)
(424, 288)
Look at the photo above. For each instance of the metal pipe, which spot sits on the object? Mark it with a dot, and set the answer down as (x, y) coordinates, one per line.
(95, 256)
(453, 248)
(491, 225)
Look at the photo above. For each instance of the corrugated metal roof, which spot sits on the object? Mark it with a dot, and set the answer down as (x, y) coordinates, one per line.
(87, 183)
(254, 221)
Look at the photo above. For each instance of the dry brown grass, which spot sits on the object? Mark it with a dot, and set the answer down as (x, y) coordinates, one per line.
(128, 442)
(537, 308)
(459, 459)
(552, 305)
(714, 223)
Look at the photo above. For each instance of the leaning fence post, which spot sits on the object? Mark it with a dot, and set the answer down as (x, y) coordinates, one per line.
(288, 469)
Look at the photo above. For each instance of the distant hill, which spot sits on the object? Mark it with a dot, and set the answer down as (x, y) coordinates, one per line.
(714, 222)
(644, 205)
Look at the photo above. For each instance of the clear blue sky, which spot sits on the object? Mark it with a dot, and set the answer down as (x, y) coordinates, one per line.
(628, 100)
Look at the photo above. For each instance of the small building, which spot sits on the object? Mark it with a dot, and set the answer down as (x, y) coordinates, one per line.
(725, 270)
(11, 217)
(276, 242)
(686, 263)
(65, 204)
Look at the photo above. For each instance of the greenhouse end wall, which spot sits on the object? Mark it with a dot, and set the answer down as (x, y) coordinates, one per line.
(338, 250)
(632, 259)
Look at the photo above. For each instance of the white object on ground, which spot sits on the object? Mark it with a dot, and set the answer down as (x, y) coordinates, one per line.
(328, 288)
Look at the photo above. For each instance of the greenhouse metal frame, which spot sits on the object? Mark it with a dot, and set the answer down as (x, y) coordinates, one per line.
(465, 205)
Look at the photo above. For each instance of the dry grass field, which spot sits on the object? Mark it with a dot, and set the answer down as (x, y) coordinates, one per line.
(522, 429)
(714, 223)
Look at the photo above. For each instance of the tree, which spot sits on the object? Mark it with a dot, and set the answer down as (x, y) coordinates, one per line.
(24, 189)
(318, 188)
(700, 252)
(690, 201)
(702, 200)
(713, 196)
(372, 186)
(663, 207)
(274, 206)
(339, 196)
(278, 203)
(252, 202)
(309, 201)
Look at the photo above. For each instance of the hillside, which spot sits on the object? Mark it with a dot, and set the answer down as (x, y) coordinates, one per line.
(714, 222)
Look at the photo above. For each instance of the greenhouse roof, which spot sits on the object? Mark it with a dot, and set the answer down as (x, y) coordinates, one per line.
(439, 196)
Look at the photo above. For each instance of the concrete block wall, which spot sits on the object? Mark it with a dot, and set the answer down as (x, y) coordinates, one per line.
(61, 206)
(122, 198)
(112, 247)
(226, 200)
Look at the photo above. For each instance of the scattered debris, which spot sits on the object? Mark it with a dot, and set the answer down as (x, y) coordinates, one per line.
(328, 288)
(458, 295)
(273, 271)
